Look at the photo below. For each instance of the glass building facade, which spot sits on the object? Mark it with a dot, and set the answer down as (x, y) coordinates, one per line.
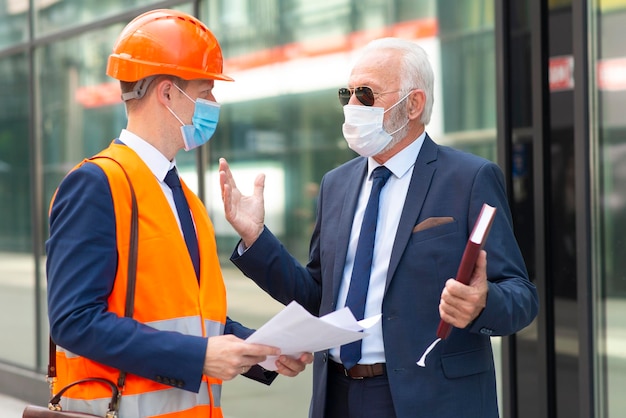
(537, 86)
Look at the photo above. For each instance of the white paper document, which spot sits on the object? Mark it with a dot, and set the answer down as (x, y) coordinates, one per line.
(296, 331)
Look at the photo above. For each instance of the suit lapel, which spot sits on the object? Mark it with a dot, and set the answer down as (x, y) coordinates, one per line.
(353, 188)
(418, 189)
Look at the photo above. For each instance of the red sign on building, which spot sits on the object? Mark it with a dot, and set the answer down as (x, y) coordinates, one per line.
(561, 73)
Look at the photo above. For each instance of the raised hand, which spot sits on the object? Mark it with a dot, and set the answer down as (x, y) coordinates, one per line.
(245, 213)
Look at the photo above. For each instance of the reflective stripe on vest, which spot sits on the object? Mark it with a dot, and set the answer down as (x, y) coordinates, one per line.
(159, 402)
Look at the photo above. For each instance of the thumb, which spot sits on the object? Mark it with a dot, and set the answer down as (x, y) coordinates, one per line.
(479, 276)
(259, 185)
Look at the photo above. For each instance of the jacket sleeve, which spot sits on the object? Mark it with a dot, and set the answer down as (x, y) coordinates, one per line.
(256, 372)
(268, 263)
(512, 301)
(81, 266)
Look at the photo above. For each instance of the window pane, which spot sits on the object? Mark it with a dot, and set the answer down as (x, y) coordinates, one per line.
(55, 15)
(17, 275)
(81, 109)
(14, 22)
(468, 65)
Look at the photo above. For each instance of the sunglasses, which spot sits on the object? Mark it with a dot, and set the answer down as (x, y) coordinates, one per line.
(364, 94)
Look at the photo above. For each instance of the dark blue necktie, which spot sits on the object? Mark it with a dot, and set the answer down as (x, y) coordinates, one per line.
(359, 282)
(184, 215)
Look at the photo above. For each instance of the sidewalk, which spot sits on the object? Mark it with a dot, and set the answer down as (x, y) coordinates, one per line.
(11, 407)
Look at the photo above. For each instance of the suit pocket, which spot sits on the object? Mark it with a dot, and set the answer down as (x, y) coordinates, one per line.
(432, 222)
(441, 228)
(466, 363)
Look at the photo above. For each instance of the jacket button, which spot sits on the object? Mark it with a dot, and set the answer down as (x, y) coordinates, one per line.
(325, 357)
(486, 331)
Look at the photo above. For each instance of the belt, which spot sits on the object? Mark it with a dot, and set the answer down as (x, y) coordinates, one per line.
(361, 371)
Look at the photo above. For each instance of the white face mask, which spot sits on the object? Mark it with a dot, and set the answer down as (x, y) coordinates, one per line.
(363, 128)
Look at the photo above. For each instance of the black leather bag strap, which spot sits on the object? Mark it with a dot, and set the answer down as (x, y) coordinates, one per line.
(134, 240)
(128, 308)
(113, 405)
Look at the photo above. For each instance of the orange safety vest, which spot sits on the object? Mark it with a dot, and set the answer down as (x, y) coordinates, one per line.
(160, 302)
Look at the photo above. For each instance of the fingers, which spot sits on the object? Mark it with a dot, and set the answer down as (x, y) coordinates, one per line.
(246, 214)
(226, 185)
(448, 306)
(228, 356)
(306, 358)
(227, 180)
(289, 366)
(460, 304)
(226, 175)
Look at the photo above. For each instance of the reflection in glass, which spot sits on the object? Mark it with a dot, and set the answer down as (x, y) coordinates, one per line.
(14, 23)
(56, 15)
(81, 109)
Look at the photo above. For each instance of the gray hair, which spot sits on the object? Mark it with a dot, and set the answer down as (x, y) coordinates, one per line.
(415, 71)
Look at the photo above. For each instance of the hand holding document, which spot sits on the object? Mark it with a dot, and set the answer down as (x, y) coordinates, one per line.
(296, 331)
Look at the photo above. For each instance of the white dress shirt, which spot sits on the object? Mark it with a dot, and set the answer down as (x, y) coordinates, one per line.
(392, 199)
(156, 162)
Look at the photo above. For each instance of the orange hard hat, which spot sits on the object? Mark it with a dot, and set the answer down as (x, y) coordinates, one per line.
(166, 42)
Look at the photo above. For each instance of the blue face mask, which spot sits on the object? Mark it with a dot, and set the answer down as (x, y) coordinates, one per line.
(204, 122)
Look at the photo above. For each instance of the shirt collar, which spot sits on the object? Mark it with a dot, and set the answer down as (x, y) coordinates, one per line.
(152, 157)
(401, 163)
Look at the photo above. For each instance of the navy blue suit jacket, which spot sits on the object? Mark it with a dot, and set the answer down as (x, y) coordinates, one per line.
(459, 379)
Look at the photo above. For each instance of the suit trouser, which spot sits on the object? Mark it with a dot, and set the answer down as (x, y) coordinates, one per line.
(357, 398)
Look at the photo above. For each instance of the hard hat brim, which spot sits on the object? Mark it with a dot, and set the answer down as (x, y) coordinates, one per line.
(130, 70)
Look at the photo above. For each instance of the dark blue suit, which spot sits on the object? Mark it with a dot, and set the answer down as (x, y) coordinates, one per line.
(459, 379)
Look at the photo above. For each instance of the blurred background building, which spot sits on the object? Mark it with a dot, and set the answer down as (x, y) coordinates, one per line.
(538, 86)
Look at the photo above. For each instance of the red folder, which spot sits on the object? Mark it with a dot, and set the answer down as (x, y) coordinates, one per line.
(475, 243)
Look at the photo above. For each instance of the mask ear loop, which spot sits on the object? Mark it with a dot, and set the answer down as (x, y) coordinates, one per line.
(183, 92)
(398, 102)
(174, 114)
(394, 105)
(187, 96)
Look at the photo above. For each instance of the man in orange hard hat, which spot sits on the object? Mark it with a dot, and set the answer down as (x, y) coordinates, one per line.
(178, 345)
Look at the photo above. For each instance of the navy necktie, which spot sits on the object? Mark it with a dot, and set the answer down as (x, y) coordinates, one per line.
(359, 282)
(184, 215)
